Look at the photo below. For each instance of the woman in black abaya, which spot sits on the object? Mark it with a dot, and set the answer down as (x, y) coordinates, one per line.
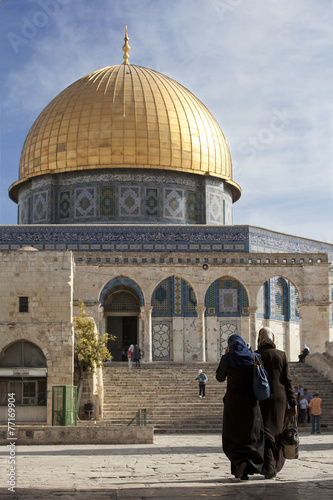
(243, 430)
(274, 410)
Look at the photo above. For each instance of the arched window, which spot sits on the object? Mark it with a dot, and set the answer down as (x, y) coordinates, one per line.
(296, 303)
(281, 298)
(162, 298)
(22, 354)
(174, 297)
(121, 300)
(30, 389)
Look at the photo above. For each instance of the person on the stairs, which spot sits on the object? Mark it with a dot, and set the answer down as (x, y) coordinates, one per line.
(137, 355)
(305, 352)
(303, 407)
(202, 379)
(315, 412)
(308, 397)
(130, 355)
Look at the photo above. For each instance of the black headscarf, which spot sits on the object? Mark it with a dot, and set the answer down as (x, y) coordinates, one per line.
(238, 355)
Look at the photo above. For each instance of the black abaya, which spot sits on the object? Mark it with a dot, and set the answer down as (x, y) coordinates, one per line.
(274, 409)
(243, 430)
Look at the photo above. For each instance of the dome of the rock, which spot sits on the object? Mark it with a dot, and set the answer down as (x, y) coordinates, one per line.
(124, 119)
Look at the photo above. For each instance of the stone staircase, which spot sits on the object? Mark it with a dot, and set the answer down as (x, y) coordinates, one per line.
(170, 395)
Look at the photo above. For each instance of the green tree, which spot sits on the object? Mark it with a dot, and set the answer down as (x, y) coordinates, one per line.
(89, 349)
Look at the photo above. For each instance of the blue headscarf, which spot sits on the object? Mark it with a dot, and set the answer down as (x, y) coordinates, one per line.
(238, 355)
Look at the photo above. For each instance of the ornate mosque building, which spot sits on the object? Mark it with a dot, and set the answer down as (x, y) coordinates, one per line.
(125, 196)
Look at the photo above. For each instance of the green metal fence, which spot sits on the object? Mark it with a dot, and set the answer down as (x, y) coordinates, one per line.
(140, 417)
(64, 405)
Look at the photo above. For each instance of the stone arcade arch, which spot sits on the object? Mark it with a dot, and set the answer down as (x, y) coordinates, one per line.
(174, 327)
(227, 312)
(309, 273)
(23, 372)
(278, 308)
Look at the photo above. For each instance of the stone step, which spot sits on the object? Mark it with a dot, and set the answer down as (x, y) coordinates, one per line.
(170, 395)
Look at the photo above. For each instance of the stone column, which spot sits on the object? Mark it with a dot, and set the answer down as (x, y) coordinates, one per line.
(314, 325)
(141, 329)
(148, 349)
(287, 346)
(253, 326)
(202, 331)
(101, 321)
(245, 328)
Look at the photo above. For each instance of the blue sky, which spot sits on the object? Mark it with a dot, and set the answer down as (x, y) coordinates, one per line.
(262, 67)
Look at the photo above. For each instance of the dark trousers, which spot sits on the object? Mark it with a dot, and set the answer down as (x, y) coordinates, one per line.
(315, 423)
(303, 415)
(301, 357)
(202, 388)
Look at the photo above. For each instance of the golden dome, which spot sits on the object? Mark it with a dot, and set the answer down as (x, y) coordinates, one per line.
(125, 116)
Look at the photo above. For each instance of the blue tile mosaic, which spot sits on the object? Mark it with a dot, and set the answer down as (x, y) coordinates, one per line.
(40, 212)
(64, 204)
(84, 202)
(107, 201)
(151, 202)
(129, 201)
(161, 238)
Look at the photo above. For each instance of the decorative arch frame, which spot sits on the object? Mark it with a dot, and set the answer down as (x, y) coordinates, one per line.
(125, 281)
(20, 340)
(298, 286)
(239, 297)
(291, 298)
(179, 293)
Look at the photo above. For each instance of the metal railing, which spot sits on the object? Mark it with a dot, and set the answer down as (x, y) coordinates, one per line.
(141, 418)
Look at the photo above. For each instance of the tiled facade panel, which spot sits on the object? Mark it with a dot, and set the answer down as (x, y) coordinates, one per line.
(174, 297)
(125, 198)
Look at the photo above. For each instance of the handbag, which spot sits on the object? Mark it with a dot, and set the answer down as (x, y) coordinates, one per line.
(261, 387)
(290, 440)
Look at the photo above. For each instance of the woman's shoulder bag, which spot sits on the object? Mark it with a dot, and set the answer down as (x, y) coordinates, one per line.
(261, 387)
(290, 439)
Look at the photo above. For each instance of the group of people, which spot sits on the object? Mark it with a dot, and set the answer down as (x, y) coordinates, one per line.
(308, 406)
(252, 430)
(133, 354)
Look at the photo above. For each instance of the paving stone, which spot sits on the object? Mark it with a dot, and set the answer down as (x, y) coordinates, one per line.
(174, 467)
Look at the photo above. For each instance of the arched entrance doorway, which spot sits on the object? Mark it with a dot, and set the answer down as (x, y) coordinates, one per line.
(122, 309)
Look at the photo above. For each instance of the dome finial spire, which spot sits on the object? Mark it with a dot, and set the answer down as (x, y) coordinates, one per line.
(126, 48)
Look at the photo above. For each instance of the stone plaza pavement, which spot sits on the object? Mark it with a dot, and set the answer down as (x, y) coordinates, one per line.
(174, 467)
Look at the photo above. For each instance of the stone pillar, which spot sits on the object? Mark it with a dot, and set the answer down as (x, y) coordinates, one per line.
(287, 346)
(141, 328)
(245, 329)
(202, 331)
(314, 325)
(253, 326)
(148, 349)
(101, 321)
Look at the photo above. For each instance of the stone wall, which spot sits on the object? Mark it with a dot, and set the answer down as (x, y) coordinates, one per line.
(91, 392)
(309, 273)
(95, 434)
(46, 278)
